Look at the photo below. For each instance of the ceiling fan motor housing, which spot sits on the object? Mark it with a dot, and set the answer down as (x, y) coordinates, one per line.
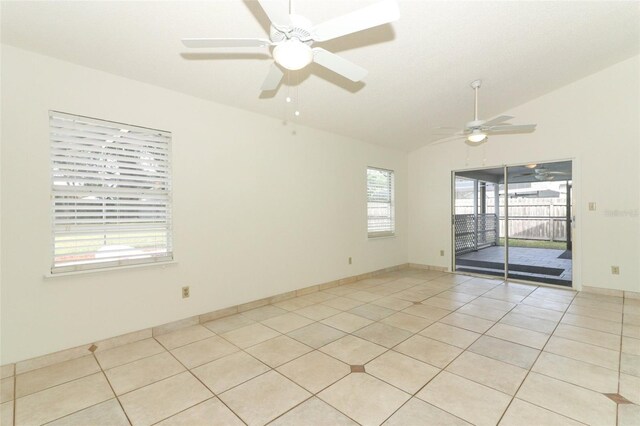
(300, 30)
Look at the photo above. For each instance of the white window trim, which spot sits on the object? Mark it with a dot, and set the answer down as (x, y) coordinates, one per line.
(372, 235)
(138, 260)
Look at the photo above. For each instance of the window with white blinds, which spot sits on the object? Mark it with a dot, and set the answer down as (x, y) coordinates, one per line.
(380, 202)
(111, 193)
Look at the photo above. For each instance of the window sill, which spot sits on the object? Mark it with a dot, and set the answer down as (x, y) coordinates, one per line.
(381, 237)
(163, 264)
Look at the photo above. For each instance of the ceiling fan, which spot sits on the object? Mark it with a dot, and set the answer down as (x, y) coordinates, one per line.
(542, 173)
(293, 35)
(477, 131)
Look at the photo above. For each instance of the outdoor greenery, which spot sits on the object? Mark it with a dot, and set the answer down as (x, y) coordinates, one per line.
(514, 242)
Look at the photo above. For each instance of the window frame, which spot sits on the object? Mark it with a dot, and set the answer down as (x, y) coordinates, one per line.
(392, 205)
(118, 262)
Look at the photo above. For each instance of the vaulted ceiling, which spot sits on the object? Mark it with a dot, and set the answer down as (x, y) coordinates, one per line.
(419, 67)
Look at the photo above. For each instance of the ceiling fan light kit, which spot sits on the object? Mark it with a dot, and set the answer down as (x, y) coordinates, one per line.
(293, 35)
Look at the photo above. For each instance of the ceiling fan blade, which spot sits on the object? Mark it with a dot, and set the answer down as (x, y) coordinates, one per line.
(225, 42)
(497, 120)
(371, 16)
(338, 64)
(274, 77)
(277, 11)
(507, 129)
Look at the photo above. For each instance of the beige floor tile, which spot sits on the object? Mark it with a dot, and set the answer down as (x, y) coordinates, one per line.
(224, 373)
(137, 374)
(203, 351)
(467, 322)
(316, 335)
(372, 312)
(449, 334)
(342, 303)
(488, 302)
(392, 303)
(630, 345)
(340, 290)
(535, 312)
(365, 399)
(363, 296)
(463, 398)
(383, 334)
(163, 399)
(313, 412)
(7, 387)
(59, 401)
(106, 413)
(428, 350)
(128, 353)
(628, 415)
(521, 413)
(264, 312)
(317, 312)
(491, 314)
(250, 335)
(583, 352)
(347, 322)
(488, 371)
(287, 322)
(599, 303)
(428, 312)
(6, 413)
(184, 336)
(630, 364)
(592, 323)
(318, 297)
(544, 303)
(294, 304)
(569, 400)
(469, 289)
(278, 350)
(229, 323)
(631, 330)
(315, 371)
(512, 353)
(444, 303)
(633, 319)
(579, 373)
(7, 370)
(453, 278)
(353, 350)
(46, 377)
(519, 335)
(208, 413)
(458, 297)
(401, 371)
(264, 398)
(585, 335)
(595, 313)
(529, 323)
(417, 412)
(407, 322)
(630, 387)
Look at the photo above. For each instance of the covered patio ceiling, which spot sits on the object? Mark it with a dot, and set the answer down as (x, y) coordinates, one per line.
(557, 171)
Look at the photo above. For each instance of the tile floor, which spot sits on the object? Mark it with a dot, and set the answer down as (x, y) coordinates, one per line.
(412, 347)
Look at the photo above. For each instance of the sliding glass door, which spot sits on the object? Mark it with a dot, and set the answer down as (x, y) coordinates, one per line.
(514, 222)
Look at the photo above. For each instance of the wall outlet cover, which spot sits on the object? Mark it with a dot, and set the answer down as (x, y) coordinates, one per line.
(185, 292)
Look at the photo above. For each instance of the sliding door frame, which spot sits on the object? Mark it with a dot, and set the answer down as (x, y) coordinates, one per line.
(576, 283)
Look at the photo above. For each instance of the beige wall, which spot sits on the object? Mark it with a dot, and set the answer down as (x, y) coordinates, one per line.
(596, 122)
(256, 210)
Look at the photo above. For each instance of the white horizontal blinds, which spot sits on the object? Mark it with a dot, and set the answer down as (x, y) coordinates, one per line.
(380, 202)
(111, 186)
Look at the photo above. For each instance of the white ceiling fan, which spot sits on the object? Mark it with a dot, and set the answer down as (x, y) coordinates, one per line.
(543, 173)
(293, 35)
(477, 131)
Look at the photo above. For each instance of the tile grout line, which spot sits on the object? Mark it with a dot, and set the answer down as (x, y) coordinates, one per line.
(112, 389)
(533, 364)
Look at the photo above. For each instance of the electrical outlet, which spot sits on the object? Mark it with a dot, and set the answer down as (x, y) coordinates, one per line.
(592, 206)
(185, 292)
(350, 261)
(615, 270)
(441, 252)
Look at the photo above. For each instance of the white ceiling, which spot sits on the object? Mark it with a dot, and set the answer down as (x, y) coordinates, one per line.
(419, 67)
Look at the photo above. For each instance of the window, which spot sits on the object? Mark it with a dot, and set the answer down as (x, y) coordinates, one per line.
(111, 193)
(380, 203)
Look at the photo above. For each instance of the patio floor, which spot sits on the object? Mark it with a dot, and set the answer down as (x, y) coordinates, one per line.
(531, 264)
